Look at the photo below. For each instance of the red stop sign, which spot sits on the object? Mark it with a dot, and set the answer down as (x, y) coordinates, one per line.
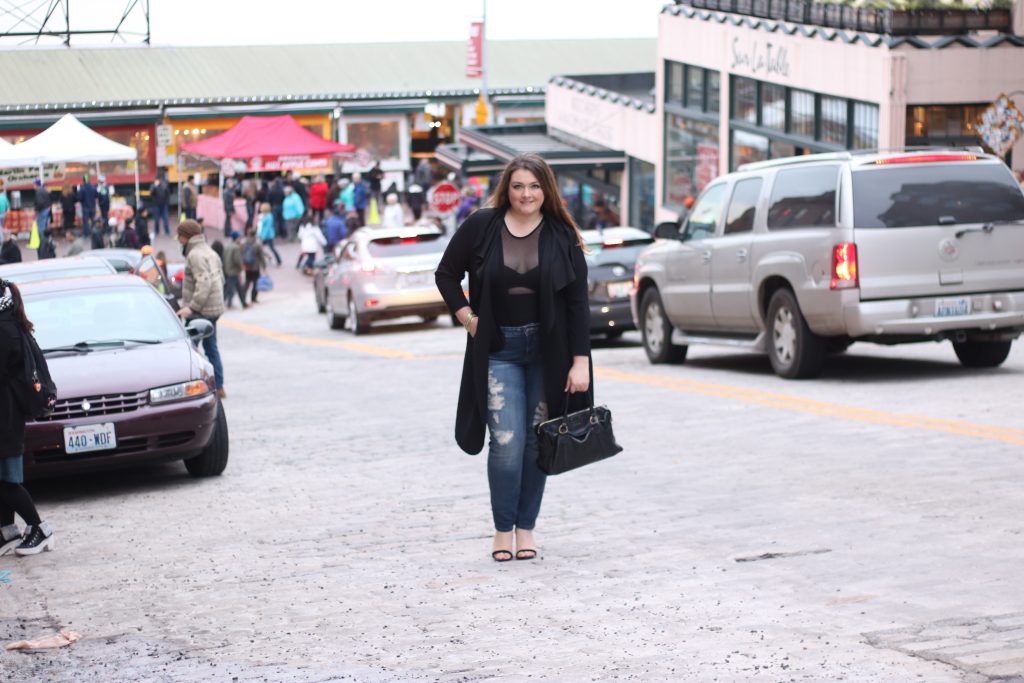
(445, 197)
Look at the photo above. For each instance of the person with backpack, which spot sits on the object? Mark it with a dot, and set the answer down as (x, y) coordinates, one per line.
(254, 261)
(233, 262)
(18, 400)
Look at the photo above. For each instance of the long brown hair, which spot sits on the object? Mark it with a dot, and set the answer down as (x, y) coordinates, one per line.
(552, 207)
(19, 306)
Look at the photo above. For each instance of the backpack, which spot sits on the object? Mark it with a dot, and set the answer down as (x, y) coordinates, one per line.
(249, 254)
(39, 395)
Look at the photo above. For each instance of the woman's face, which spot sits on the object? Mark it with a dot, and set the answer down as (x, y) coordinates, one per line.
(524, 193)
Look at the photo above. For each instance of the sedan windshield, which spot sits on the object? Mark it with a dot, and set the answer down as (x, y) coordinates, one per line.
(101, 318)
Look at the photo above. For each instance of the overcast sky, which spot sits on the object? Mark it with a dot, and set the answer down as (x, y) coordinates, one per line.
(266, 22)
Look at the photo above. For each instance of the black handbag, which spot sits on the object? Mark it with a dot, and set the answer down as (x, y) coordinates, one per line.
(577, 439)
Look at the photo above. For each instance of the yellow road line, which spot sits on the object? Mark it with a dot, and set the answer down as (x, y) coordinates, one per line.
(797, 404)
(746, 395)
(285, 338)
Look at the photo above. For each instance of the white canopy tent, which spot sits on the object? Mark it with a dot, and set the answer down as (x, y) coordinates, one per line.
(67, 140)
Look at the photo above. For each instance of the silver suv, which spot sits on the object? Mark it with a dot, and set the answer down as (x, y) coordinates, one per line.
(801, 256)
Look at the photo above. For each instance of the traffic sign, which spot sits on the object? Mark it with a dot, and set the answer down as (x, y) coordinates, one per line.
(444, 197)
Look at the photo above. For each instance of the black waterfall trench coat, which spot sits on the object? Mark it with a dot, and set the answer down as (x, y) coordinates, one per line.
(564, 313)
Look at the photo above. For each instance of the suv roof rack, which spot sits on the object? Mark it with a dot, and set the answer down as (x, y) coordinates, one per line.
(847, 155)
(787, 161)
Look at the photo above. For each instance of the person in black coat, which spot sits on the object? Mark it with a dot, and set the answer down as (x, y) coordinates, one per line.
(38, 535)
(528, 348)
(9, 250)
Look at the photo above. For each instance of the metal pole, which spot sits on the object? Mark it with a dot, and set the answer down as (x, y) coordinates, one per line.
(483, 62)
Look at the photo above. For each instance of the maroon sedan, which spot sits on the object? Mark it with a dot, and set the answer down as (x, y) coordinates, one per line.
(131, 385)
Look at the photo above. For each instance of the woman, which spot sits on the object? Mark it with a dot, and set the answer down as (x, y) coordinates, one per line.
(528, 321)
(14, 498)
(318, 198)
(253, 262)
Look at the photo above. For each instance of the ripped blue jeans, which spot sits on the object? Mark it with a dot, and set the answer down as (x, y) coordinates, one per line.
(515, 403)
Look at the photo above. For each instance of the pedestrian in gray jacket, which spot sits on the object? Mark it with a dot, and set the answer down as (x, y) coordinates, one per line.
(202, 292)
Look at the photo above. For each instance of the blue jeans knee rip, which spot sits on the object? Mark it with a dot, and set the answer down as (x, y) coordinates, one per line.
(515, 404)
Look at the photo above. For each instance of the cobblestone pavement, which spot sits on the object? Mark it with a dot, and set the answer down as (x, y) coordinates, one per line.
(861, 527)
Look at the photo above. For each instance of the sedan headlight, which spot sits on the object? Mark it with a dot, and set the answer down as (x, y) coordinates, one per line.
(177, 392)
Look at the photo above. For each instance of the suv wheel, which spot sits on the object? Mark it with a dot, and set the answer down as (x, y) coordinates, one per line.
(795, 351)
(214, 458)
(982, 354)
(334, 321)
(656, 331)
(355, 322)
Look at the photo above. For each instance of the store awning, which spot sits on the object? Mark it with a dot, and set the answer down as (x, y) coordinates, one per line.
(463, 158)
(504, 142)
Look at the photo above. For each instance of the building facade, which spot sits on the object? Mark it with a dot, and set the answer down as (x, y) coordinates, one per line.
(734, 89)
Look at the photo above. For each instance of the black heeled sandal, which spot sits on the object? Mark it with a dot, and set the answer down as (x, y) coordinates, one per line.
(496, 553)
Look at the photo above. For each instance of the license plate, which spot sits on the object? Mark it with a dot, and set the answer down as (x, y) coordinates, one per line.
(619, 290)
(945, 308)
(87, 438)
(419, 279)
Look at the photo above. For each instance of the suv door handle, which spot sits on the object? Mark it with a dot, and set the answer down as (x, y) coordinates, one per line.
(705, 256)
(741, 255)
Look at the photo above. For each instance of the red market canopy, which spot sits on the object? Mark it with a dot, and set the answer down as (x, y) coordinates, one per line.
(269, 143)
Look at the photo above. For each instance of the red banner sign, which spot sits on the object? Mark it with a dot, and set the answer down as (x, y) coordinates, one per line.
(304, 162)
(475, 51)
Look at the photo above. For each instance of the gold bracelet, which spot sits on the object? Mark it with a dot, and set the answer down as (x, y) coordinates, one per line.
(469, 320)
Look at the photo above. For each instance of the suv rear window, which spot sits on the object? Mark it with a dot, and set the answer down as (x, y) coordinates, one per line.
(413, 245)
(804, 198)
(941, 194)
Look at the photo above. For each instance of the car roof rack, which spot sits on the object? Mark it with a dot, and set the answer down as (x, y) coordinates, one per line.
(849, 154)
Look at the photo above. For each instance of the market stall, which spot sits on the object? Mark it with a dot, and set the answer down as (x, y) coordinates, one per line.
(67, 140)
(259, 144)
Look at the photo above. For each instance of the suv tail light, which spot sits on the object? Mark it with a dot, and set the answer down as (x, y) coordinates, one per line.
(844, 266)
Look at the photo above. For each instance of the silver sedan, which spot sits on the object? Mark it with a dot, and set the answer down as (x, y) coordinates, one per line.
(384, 273)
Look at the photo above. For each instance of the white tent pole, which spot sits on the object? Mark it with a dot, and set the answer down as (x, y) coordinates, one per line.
(138, 197)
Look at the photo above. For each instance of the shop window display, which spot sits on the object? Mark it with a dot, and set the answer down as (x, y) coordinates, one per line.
(641, 184)
(382, 139)
(691, 158)
(748, 148)
(801, 113)
(833, 120)
(744, 100)
(773, 106)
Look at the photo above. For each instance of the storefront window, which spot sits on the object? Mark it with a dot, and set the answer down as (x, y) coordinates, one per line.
(747, 148)
(773, 106)
(943, 121)
(801, 113)
(779, 149)
(865, 126)
(641, 194)
(691, 158)
(833, 120)
(744, 99)
(695, 87)
(382, 139)
(674, 82)
(714, 91)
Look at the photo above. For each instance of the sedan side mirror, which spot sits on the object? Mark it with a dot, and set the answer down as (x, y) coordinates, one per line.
(199, 329)
(669, 230)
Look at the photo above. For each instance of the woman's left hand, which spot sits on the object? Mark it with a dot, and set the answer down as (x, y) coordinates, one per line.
(579, 375)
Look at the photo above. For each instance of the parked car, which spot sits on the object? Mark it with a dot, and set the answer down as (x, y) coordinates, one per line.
(123, 260)
(384, 273)
(800, 256)
(320, 268)
(54, 269)
(131, 385)
(610, 264)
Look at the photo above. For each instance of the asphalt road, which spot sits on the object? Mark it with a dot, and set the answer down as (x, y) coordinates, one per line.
(864, 526)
